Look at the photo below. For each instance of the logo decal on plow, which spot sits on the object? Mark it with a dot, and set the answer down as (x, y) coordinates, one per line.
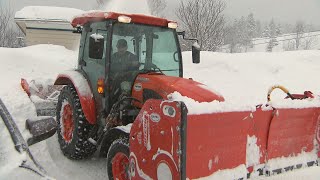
(146, 130)
(155, 117)
(138, 87)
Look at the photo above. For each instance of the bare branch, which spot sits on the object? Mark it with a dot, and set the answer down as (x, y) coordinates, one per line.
(9, 31)
(203, 19)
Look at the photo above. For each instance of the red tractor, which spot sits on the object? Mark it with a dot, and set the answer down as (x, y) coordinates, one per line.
(119, 101)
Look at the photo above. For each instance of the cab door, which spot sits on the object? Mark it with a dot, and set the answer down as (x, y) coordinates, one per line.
(95, 58)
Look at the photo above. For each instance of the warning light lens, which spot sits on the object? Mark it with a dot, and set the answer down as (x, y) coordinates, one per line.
(173, 25)
(100, 86)
(124, 19)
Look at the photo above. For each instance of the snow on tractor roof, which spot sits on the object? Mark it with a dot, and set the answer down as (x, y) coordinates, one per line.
(94, 16)
(47, 13)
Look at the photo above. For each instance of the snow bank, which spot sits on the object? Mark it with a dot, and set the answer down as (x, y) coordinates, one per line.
(244, 79)
(41, 63)
(10, 159)
(253, 151)
(47, 13)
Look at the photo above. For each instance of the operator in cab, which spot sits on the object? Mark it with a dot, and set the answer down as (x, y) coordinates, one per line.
(124, 68)
(123, 60)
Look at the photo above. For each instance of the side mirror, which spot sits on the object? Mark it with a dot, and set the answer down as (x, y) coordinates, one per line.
(96, 46)
(196, 53)
(40, 129)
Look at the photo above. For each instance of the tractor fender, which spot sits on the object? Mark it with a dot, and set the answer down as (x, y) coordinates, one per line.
(84, 92)
(112, 135)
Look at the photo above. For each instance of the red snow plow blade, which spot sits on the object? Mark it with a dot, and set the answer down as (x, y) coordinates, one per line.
(259, 140)
(264, 141)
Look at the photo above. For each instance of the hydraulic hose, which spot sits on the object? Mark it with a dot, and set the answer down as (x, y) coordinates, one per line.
(285, 90)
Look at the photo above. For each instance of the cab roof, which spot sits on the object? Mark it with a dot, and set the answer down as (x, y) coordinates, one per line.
(96, 16)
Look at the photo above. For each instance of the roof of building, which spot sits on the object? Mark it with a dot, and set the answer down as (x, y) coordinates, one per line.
(46, 13)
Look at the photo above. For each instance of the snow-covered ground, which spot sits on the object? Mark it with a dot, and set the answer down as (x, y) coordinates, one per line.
(240, 78)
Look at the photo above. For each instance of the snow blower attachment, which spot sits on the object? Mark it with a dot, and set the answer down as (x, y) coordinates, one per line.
(44, 97)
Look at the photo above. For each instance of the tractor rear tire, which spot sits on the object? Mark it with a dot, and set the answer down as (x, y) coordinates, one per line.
(118, 159)
(73, 128)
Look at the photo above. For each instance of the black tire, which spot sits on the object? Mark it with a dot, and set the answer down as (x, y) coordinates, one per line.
(78, 147)
(120, 145)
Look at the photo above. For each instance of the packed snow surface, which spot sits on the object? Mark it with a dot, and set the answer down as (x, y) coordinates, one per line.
(243, 79)
(48, 13)
(253, 151)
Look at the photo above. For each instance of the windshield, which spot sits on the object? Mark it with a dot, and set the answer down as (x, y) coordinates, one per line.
(156, 48)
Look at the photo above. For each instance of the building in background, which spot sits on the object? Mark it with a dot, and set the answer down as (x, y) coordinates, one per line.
(48, 25)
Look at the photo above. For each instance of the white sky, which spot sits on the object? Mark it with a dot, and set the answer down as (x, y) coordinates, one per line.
(281, 10)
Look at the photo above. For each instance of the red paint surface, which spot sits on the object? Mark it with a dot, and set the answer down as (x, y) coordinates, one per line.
(165, 85)
(25, 86)
(291, 131)
(86, 100)
(67, 123)
(120, 164)
(163, 135)
(219, 137)
(135, 18)
(222, 137)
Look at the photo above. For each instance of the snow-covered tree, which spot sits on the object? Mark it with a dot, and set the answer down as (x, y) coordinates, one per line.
(203, 19)
(157, 7)
(10, 34)
(244, 33)
(271, 33)
(299, 31)
(258, 32)
(251, 27)
(232, 37)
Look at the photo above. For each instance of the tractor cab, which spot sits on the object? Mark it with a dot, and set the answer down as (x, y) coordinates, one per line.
(115, 48)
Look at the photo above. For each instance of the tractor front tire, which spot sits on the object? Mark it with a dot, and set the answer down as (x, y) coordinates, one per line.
(73, 128)
(118, 159)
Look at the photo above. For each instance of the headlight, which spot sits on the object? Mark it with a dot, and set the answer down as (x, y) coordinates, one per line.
(164, 172)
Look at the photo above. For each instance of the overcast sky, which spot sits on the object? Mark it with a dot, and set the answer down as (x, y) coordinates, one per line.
(285, 11)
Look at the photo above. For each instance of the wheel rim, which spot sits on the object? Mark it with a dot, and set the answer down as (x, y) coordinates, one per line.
(120, 164)
(68, 124)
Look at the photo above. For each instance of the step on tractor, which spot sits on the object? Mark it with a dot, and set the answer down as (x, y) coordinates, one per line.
(119, 102)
